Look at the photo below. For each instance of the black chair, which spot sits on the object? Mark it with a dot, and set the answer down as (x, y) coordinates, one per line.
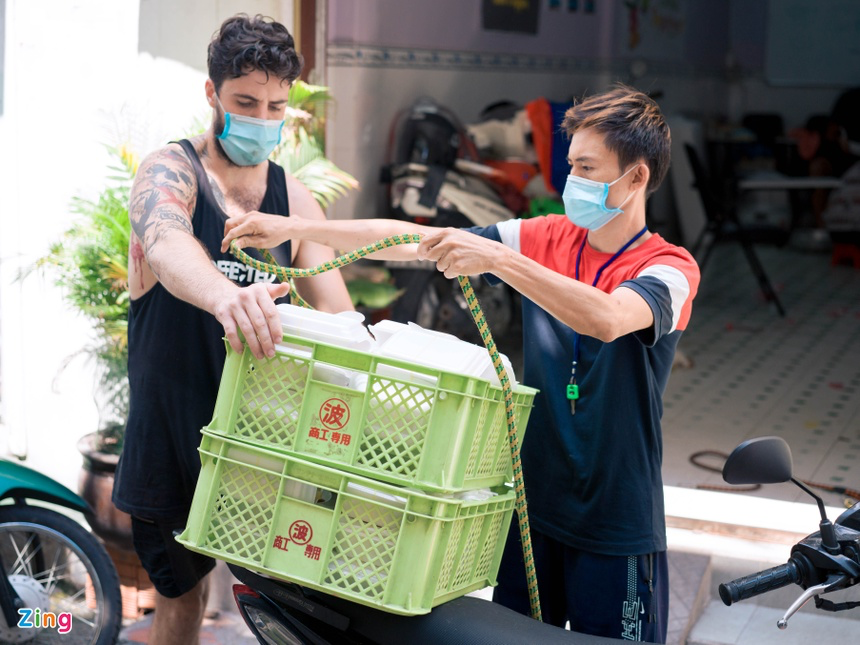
(721, 224)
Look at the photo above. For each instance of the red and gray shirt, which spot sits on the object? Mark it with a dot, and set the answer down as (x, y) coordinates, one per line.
(593, 478)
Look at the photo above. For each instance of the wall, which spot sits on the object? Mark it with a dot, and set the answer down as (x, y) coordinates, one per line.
(705, 59)
(184, 36)
(384, 54)
(454, 25)
(750, 34)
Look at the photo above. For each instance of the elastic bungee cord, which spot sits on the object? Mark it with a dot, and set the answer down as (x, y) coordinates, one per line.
(286, 274)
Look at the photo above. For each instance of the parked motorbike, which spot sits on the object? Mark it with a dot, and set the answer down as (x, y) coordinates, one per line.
(58, 584)
(823, 562)
(435, 178)
(280, 613)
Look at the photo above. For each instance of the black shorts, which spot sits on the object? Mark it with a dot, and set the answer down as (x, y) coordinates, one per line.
(173, 569)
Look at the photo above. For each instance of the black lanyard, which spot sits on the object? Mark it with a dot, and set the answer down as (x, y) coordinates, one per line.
(572, 387)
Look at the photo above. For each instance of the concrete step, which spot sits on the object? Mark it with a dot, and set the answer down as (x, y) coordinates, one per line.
(689, 592)
(753, 621)
(756, 625)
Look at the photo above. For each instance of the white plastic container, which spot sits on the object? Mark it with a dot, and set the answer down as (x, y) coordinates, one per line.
(385, 329)
(344, 329)
(442, 351)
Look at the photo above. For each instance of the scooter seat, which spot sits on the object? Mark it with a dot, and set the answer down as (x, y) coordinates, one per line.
(463, 621)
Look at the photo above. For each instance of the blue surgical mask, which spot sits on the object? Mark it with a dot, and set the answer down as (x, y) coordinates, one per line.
(248, 141)
(585, 201)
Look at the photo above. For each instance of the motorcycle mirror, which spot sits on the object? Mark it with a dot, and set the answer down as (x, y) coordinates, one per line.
(764, 460)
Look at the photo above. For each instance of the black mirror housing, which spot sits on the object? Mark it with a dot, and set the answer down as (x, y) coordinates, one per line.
(764, 460)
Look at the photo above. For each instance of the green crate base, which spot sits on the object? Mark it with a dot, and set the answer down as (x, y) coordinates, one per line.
(397, 550)
(447, 437)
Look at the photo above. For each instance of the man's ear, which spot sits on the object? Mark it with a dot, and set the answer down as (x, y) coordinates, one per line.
(210, 92)
(640, 176)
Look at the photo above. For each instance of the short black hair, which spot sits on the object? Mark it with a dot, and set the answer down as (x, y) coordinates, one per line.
(243, 45)
(632, 126)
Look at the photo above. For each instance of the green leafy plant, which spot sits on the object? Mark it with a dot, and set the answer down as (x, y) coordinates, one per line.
(302, 148)
(90, 263)
(301, 153)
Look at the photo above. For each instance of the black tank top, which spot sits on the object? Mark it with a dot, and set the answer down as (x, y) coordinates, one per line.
(175, 357)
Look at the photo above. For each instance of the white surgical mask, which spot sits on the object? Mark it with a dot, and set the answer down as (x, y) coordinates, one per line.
(585, 201)
(248, 141)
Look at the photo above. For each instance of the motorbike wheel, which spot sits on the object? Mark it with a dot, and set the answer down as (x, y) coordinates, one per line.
(436, 302)
(55, 565)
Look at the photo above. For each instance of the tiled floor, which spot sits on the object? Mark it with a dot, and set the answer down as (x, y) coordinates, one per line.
(226, 629)
(755, 373)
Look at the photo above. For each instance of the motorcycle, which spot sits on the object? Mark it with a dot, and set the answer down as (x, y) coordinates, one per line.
(821, 563)
(435, 178)
(58, 584)
(280, 613)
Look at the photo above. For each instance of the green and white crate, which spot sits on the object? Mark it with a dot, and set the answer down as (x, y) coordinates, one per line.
(384, 546)
(384, 418)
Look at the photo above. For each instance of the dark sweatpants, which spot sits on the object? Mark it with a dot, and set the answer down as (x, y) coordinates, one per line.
(622, 596)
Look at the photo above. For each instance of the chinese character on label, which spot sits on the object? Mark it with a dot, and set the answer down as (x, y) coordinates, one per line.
(301, 532)
(280, 542)
(335, 437)
(314, 433)
(334, 414)
(313, 552)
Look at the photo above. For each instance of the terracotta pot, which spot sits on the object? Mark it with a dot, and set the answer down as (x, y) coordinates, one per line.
(95, 485)
(113, 526)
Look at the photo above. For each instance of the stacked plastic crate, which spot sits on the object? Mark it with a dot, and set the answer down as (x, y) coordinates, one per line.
(357, 473)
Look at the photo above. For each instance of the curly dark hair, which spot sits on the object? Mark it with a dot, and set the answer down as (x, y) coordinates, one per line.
(244, 44)
(632, 125)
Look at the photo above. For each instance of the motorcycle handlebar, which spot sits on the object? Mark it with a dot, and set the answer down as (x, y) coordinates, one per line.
(758, 583)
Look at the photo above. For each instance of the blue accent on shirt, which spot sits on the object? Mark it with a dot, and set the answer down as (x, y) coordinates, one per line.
(593, 479)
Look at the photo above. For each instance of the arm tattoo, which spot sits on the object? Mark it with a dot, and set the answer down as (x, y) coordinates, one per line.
(160, 201)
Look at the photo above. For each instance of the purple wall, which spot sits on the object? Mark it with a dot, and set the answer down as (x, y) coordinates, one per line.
(695, 32)
(748, 24)
(455, 25)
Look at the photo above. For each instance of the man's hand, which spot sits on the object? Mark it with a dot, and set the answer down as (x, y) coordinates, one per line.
(459, 252)
(258, 230)
(251, 310)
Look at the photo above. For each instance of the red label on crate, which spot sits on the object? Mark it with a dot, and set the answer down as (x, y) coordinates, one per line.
(301, 532)
(326, 435)
(334, 414)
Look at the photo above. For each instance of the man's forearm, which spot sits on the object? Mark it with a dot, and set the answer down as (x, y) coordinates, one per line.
(186, 270)
(348, 235)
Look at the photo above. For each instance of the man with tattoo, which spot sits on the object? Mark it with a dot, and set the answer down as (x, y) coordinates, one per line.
(186, 294)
